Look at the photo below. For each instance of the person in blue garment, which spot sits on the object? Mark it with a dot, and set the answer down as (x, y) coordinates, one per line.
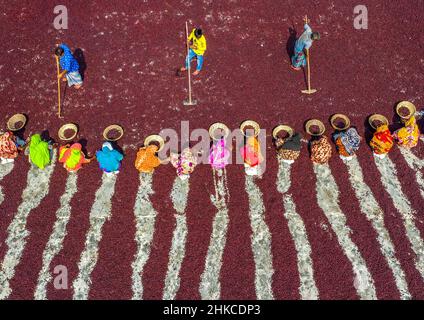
(302, 46)
(69, 65)
(109, 159)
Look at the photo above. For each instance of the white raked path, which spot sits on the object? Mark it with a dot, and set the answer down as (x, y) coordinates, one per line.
(179, 196)
(328, 201)
(5, 169)
(415, 164)
(145, 218)
(55, 242)
(308, 289)
(37, 188)
(210, 286)
(261, 241)
(101, 211)
(401, 202)
(372, 210)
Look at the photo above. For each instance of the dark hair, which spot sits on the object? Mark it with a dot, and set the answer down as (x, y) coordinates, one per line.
(58, 51)
(198, 32)
(315, 36)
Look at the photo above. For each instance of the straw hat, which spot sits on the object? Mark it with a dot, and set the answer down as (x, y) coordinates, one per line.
(408, 105)
(250, 123)
(11, 124)
(68, 126)
(377, 117)
(280, 128)
(154, 138)
(217, 126)
(111, 128)
(315, 122)
(345, 119)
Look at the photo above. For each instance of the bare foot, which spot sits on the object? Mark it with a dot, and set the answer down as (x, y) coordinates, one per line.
(294, 68)
(183, 69)
(64, 79)
(195, 73)
(77, 86)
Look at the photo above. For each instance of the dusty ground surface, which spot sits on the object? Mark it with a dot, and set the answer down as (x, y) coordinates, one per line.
(131, 50)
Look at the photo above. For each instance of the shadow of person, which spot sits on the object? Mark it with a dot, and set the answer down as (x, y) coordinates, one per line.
(79, 56)
(291, 41)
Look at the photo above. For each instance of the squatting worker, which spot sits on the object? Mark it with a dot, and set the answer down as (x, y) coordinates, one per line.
(197, 49)
(69, 65)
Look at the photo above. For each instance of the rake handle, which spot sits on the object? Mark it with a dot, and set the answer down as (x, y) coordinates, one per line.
(58, 84)
(189, 65)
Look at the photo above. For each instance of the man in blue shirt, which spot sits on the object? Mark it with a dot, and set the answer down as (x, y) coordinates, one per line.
(69, 65)
(304, 43)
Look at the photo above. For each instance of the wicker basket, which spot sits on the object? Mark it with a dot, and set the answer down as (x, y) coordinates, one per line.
(377, 117)
(345, 119)
(408, 105)
(155, 138)
(113, 127)
(11, 124)
(315, 122)
(250, 123)
(217, 126)
(68, 126)
(280, 128)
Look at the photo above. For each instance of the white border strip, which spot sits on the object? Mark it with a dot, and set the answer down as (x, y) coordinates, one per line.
(393, 187)
(145, 218)
(55, 243)
(210, 286)
(371, 209)
(37, 188)
(179, 196)
(261, 242)
(328, 200)
(100, 213)
(308, 289)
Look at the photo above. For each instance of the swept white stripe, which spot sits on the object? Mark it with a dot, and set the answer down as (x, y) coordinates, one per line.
(415, 164)
(308, 289)
(100, 212)
(261, 242)
(371, 209)
(37, 188)
(145, 218)
(179, 196)
(210, 286)
(5, 169)
(328, 200)
(393, 187)
(55, 243)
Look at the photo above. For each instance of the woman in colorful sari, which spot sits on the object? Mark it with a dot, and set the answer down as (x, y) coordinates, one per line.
(184, 163)
(303, 44)
(347, 143)
(288, 149)
(409, 135)
(40, 151)
(147, 160)
(219, 155)
(72, 157)
(382, 141)
(10, 145)
(109, 159)
(321, 151)
(252, 156)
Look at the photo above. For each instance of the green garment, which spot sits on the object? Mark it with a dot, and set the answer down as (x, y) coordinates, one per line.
(39, 152)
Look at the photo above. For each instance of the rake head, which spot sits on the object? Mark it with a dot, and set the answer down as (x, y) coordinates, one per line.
(189, 102)
(312, 91)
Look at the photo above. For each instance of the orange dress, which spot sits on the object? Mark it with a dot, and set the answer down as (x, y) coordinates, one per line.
(147, 160)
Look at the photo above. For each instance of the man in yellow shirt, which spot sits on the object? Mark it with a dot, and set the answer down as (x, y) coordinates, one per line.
(197, 49)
